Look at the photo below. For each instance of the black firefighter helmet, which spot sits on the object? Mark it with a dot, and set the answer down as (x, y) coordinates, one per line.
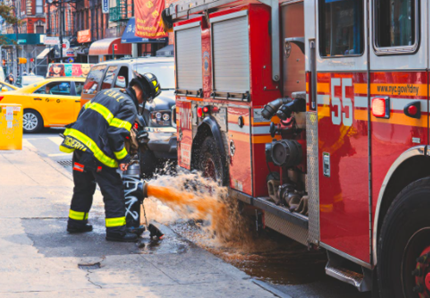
(149, 84)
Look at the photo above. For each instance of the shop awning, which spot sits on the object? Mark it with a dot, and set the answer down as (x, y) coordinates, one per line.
(44, 53)
(129, 37)
(104, 47)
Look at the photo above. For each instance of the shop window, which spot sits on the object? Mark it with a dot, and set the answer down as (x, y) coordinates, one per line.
(396, 23)
(341, 28)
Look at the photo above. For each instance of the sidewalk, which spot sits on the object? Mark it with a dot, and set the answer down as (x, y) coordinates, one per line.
(39, 259)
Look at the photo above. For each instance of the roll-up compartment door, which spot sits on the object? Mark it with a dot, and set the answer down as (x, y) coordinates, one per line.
(189, 59)
(231, 55)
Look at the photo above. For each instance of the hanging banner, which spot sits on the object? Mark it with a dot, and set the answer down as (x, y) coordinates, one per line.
(105, 6)
(148, 18)
(84, 36)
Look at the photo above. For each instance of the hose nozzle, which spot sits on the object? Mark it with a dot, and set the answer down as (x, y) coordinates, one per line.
(144, 190)
(272, 107)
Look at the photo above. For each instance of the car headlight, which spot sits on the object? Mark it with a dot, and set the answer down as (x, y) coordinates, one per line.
(160, 118)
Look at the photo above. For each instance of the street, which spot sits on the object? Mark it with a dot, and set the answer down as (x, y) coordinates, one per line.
(35, 215)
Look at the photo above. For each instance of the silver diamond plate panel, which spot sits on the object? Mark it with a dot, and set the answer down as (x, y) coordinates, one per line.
(286, 228)
(313, 177)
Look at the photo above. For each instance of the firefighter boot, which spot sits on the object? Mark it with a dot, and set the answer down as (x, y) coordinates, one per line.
(126, 237)
(79, 229)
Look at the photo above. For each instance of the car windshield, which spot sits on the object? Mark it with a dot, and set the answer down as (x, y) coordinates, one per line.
(27, 80)
(164, 71)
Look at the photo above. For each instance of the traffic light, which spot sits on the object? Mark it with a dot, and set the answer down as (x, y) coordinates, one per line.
(31, 60)
(22, 60)
(3, 62)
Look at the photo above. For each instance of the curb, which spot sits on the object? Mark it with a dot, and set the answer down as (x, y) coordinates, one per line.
(270, 289)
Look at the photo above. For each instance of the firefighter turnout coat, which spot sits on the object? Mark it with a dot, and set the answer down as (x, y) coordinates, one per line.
(101, 128)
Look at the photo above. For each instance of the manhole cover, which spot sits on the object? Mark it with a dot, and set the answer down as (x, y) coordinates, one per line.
(65, 163)
(89, 266)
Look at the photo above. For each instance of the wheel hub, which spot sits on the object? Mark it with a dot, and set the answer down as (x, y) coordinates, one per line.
(422, 274)
(30, 121)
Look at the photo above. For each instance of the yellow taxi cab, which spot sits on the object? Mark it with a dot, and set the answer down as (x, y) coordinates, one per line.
(4, 87)
(53, 102)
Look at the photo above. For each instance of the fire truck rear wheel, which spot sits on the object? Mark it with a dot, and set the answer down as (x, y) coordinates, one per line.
(210, 162)
(404, 244)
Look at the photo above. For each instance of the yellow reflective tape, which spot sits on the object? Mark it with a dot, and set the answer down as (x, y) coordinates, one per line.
(156, 89)
(115, 222)
(66, 150)
(154, 83)
(120, 124)
(77, 215)
(121, 154)
(102, 110)
(104, 159)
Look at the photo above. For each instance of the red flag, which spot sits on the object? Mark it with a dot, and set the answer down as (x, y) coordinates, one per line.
(148, 18)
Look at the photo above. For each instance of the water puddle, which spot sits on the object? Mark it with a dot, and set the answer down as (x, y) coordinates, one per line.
(200, 211)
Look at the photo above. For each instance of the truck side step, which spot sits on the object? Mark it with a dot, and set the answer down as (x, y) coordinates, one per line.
(334, 268)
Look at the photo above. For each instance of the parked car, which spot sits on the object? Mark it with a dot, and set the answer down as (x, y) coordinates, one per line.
(4, 87)
(52, 102)
(23, 81)
(159, 116)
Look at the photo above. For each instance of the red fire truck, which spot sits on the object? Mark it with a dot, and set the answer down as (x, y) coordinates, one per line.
(315, 112)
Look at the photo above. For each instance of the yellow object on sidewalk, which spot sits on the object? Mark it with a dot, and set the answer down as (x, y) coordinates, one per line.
(10, 127)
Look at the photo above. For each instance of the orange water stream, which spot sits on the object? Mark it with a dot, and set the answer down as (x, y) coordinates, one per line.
(197, 206)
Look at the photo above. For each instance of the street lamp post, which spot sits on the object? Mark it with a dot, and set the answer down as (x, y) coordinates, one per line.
(61, 29)
(15, 47)
(61, 23)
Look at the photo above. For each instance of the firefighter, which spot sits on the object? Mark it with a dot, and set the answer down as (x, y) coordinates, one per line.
(97, 142)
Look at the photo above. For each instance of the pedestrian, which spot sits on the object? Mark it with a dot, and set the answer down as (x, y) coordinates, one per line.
(11, 78)
(97, 142)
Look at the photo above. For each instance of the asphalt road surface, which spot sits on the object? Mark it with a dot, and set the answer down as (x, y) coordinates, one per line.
(288, 270)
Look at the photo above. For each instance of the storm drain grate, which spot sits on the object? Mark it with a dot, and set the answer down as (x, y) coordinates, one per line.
(89, 266)
(65, 163)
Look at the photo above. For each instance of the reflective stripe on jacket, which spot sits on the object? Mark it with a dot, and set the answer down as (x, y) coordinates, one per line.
(102, 126)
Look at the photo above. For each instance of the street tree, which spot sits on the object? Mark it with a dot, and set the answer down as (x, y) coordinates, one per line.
(6, 12)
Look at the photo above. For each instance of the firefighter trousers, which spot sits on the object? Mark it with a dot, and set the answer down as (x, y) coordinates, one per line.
(111, 186)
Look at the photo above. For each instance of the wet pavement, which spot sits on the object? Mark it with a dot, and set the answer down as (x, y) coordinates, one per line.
(50, 239)
(282, 263)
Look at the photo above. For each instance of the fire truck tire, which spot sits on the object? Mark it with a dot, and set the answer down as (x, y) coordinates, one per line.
(404, 244)
(210, 162)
